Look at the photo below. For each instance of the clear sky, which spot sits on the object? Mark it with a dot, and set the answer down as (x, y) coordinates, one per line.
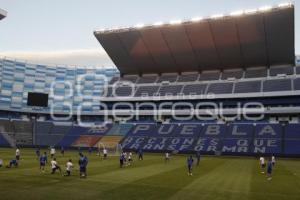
(61, 31)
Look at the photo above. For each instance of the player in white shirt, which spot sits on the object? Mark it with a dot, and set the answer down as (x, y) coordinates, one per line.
(18, 154)
(69, 166)
(52, 152)
(273, 160)
(125, 157)
(167, 157)
(130, 158)
(1, 163)
(105, 153)
(55, 166)
(262, 164)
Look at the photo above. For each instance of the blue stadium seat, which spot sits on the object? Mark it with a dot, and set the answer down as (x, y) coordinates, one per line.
(298, 70)
(147, 79)
(209, 76)
(170, 90)
(277, 85)
(146, 91)
(188, 77)
(275, 70)
(167, 77)
(194, 89)
(247, 87)
(297, 84)
(220, 88)
(237, 74)
(124, 91)
(256, 72)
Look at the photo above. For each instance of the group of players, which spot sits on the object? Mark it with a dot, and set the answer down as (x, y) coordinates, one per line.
(126, 159)
(189, 161)
(43, 160)
(13, 162)
(269, 165)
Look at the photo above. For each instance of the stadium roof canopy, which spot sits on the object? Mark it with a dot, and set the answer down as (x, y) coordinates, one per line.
(3, 14)
(260, 37)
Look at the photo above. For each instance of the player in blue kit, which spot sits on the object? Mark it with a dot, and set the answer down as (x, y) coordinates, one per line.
(122, 158)
(198, 156)
(190, 162)
(43, 161)
(38, 153)
(62, 151)
(269, 169)
(140, 154)
(90, 150)
(13, 162)
(83, 161)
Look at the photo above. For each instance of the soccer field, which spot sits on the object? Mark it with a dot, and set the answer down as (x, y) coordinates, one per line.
(215, 178)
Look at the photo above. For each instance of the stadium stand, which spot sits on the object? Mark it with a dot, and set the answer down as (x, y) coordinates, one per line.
(247, 87)
(298, 70)
(260, 138)
(167, 78)
(279, 70)
(277, 85)
(232, 64)
(229, 74)
(208, 76)
(256, 72)
(220, 88)
(233, 72)
(146, 91)
(188, 77)
(19, 78)
(148, 79)
(194, 89)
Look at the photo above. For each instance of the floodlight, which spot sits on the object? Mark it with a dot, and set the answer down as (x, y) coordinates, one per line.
(237, 13)
(139, 25)
(175, 22)
(286, 4)
(250, 11)
(265, 8)
(217, 16)
(196, 19)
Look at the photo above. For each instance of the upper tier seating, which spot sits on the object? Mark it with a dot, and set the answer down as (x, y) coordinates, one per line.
(114, 79)
(131, 79)
(297, 84)
(220, 88)
(170, 90)
(276, 70)
(237, 74)
(147, 79)
(194, 89)
(256, 72)
(124, 91)
(209, 82)
(209, 76)
(168, 77)
(146, 91)
(188, 77)
(247, 87)
(277, 85)
(298, 70)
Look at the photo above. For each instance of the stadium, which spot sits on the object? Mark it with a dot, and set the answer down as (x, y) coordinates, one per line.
(225, 88)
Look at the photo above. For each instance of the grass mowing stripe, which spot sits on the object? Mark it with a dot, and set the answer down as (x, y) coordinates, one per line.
(218, 178)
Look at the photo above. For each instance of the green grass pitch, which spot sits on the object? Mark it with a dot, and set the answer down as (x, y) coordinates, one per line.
(217, 178)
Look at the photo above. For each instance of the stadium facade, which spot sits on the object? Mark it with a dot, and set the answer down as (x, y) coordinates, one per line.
(224, 84)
